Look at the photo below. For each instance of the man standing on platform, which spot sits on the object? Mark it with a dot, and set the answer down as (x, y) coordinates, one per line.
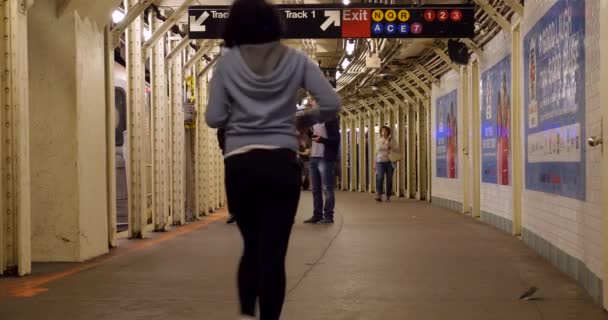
(324, 153)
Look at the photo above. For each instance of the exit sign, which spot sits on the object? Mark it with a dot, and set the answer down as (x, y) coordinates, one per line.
(327, 21)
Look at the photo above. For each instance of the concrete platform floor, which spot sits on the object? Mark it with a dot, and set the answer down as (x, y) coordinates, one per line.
(398, 260)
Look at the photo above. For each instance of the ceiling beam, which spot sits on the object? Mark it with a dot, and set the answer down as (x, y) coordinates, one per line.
(168, 24)
(419, 82)
(208, 45)
(445, 58)
(417, 93)
(403, 93)
(178, 48)
(425, 72)
(516, 6)
(495, 15)
(132, 14)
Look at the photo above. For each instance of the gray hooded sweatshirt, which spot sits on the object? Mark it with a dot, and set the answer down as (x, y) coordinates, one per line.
(253, 95)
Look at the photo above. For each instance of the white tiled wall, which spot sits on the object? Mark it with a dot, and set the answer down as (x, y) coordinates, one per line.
(572, 225)
(450, 189)
(496, 199)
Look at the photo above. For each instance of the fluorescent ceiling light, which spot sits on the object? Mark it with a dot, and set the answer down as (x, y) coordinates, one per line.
(147, 34)
(117, 16)
(345, 64)
(338, 74)
(346, 2)
(350, 47)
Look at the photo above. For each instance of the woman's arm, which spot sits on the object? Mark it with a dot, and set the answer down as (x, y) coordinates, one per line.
(217, 112)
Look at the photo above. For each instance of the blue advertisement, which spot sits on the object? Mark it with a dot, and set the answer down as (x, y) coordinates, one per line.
(554, 101)
(496, 123)
(447, 135)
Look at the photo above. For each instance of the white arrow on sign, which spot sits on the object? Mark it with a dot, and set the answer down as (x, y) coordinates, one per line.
(196, 25)
(333, 17)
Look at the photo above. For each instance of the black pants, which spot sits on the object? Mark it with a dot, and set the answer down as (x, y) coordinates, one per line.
(263, 190)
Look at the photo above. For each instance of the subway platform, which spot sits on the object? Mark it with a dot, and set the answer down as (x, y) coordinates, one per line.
(398, 260)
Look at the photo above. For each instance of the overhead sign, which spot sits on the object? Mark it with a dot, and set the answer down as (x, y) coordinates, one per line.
(330, 21)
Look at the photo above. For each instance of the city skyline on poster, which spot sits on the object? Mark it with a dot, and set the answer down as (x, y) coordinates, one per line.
(496, 123)
(554, 101)
(446, 134)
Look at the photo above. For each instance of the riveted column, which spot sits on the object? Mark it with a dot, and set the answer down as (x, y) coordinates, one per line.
(344, 153)
(372, 150)
(177, 140)
(395, 135)
(410, 152)
(466, 194)
(110, 137)
(401, 126)
(353, 152)
(159, 113)
(135, 127)
(15, 234)
(361, 161)
(422, 151)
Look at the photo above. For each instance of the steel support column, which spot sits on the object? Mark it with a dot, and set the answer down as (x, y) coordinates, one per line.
(158, 129)
(15, 223)
(353, 152)
(422, 151)
(466, 191)
(177, 140)
(411, 149)
(372, 150)
(135, 126)
(361, 161)
(344, 153)
(401, 127)
(110, 137)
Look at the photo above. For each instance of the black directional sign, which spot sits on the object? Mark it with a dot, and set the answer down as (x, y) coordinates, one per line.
(328, 21)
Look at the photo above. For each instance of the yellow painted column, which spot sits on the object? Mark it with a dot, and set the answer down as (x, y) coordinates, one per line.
(476, 206)
(110, 137)
(343, 153)
(603, 43)
(135, 127)
(372, 151)
(410, 152)
(353, 152)
(159, 114)
(422, 151)
(517, 137)
(362, 178)
(15, 223)
(464, 133)
(177, 141)
(392, 122)
(401, 127)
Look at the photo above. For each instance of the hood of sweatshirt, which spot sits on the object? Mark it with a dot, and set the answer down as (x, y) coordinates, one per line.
(261, 71)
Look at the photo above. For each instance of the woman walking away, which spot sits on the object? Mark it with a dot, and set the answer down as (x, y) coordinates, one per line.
(253, 97)
(384, 166)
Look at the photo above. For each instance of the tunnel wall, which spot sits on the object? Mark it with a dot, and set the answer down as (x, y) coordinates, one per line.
(563, 226)
(496, 198)
(446, 192)
(67, 135)
(564, 230)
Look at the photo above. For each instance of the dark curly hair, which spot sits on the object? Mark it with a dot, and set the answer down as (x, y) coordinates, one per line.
(252, 22)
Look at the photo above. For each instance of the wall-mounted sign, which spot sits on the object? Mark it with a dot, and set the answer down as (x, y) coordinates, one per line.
(496, 123)
(554, 101)
(446, 136)
(329, 21)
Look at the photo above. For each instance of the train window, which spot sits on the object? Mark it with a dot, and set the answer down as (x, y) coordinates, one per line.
(120, 115)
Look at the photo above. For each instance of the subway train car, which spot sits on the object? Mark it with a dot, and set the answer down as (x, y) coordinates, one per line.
(120, 96)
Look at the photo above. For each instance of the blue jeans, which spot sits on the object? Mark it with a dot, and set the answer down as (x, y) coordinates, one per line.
(382, 169)
(322, 179)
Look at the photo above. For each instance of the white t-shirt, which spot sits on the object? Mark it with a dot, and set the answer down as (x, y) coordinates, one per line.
(318, 149)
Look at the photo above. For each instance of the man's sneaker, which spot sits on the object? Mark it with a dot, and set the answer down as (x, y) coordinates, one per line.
(388, 199)
(327, 221)
(314, 219)
(231, 219)
(379, 198)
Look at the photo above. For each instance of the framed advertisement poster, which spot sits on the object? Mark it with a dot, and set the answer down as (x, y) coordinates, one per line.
(496, 123)
(446, 130)
(554, 101)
